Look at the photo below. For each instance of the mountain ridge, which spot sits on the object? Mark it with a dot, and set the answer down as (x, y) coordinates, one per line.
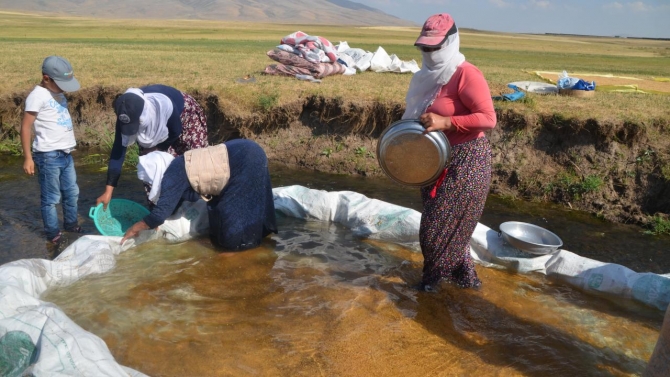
(327, 12)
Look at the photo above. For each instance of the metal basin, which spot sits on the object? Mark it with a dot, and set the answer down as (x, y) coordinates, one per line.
(411, 157)
(530, 238)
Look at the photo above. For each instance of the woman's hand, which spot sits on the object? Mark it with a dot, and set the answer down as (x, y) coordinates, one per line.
(434, 122)
(105, 197)
(134, 230)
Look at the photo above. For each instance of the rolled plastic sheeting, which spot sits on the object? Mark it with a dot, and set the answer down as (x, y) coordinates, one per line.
(370, 218)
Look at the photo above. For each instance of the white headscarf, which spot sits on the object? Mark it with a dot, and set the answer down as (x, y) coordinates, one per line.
(150, 170)
(436, 70)
(153, 121)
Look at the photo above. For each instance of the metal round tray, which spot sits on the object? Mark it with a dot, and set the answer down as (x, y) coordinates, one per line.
(530, 238)
(411, 157)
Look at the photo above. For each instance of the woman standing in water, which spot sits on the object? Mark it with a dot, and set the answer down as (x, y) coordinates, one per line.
(451, 95)
(156, 117)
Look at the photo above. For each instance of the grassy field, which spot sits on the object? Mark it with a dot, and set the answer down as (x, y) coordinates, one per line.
(209, 56)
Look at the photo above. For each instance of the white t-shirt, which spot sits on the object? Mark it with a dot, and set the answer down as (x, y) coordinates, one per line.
(53, 125)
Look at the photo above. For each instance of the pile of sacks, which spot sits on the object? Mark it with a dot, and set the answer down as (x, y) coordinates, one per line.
(311, 58)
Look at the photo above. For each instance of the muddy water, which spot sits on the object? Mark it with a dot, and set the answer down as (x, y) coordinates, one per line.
(313, 300)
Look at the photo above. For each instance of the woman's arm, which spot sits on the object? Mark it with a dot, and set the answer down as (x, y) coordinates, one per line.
(116, 158)
(474, 93)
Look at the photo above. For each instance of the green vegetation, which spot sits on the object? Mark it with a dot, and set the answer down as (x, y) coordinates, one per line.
(659, 225)
(591, 183)
(363, 152)
(267, 101)
(10, 140)
(574, 185)
(665, 171)
(132, 156)
(645, 156)
(360, 151)
(106, 142)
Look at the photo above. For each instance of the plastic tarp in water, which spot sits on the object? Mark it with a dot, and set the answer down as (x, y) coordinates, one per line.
(38, 338)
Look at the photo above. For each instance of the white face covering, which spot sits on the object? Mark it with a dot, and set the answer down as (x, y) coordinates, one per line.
(153, 121)
(150, 170)
(436, 71)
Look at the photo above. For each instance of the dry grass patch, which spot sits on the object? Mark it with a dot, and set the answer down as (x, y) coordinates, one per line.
(208, 56)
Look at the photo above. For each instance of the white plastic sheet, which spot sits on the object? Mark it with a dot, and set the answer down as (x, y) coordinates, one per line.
(37, 338)
(365, 217)
(535, 87)
(383, 62)
(379, 61)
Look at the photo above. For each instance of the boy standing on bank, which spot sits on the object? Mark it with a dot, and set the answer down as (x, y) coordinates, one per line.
(46, 111)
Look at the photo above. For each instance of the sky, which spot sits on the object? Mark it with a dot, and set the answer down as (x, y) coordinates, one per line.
(647, 18)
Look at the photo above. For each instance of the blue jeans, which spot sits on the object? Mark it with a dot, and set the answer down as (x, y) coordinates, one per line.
(57, 179)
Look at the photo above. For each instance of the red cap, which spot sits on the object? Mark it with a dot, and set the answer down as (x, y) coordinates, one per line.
(436, 30)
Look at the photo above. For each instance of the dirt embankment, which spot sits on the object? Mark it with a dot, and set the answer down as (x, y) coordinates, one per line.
(617, 170)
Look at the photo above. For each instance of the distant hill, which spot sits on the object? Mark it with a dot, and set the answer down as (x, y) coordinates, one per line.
(331, 12)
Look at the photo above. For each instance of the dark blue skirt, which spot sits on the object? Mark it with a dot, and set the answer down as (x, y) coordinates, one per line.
(244, 213)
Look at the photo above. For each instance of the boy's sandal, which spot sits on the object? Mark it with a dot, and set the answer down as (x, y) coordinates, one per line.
(57, 239)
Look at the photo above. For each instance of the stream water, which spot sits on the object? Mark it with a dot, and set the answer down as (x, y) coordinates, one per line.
(314, 300)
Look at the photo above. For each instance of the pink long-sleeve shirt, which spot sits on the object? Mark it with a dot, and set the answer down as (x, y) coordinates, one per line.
(466, 98)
